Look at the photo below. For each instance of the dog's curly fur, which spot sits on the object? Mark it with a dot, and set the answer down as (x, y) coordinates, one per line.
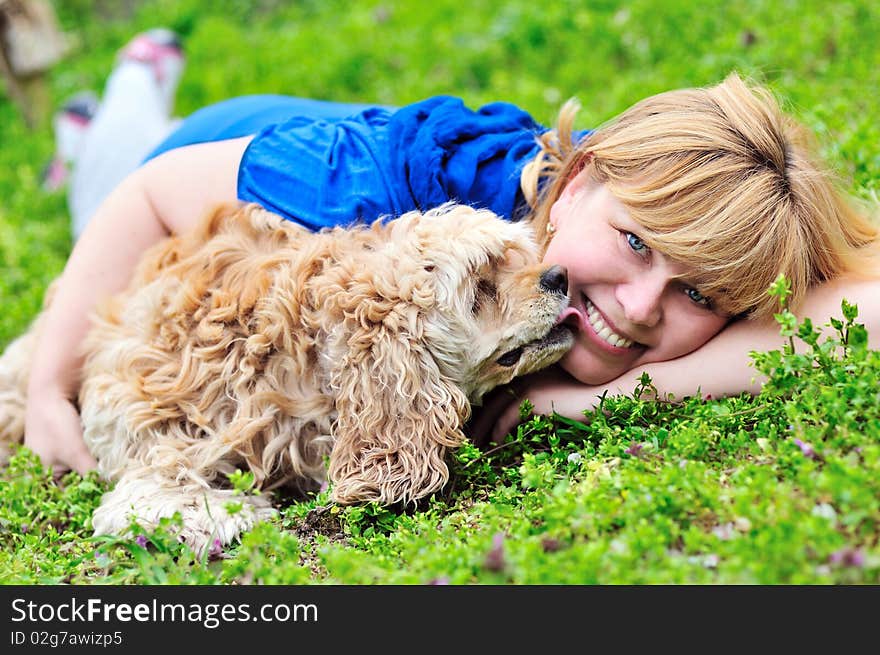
(255, 344)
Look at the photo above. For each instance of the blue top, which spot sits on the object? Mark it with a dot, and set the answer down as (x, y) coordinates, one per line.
(325, 164)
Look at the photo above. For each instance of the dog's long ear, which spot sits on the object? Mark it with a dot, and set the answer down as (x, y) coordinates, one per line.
(397, 414)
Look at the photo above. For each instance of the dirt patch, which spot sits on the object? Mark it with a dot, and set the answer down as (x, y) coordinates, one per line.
(318, 523)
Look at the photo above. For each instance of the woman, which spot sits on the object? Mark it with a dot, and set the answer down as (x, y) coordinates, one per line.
(672, 220)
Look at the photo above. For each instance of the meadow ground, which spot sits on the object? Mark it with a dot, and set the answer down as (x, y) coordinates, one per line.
(782, 488)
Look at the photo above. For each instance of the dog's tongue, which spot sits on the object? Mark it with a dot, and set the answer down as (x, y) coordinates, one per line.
(566, 316)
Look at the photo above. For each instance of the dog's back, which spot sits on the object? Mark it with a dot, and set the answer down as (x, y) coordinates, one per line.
(210, 356)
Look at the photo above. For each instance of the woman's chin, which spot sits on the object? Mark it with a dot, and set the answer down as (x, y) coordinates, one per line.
(588, 370)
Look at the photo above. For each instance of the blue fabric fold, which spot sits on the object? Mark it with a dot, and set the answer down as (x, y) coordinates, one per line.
(323, 164)
(446, 151)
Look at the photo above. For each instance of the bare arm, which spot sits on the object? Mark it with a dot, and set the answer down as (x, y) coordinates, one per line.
(721, 367)
(166, 195)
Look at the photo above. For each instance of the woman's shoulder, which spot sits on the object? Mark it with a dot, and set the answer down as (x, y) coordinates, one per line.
(445, 150)
(451, 118)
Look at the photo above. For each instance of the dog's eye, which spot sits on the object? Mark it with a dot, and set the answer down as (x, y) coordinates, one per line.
(511, 357)
(485, 292)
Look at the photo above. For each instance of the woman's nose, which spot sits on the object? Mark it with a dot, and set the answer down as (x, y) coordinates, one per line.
(641, 300)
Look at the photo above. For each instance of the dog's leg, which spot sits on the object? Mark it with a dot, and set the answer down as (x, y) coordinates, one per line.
(15, 366)
(208, 514)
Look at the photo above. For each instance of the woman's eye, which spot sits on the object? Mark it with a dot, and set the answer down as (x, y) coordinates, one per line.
(635, 243)
(697, 297)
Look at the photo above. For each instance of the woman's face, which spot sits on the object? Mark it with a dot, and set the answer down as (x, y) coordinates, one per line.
(630, 305)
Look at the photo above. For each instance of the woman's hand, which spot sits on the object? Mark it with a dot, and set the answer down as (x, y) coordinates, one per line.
(54, 432)
(549, 391)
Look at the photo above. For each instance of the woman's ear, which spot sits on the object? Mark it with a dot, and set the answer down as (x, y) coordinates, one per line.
(579, 178)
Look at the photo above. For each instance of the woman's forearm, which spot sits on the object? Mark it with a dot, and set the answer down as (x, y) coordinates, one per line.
(101, 264)
(166, 195)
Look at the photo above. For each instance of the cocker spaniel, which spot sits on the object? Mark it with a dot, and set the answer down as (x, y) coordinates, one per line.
(350, 355)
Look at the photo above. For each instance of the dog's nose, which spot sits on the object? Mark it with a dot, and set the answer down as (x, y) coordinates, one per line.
(554, 279)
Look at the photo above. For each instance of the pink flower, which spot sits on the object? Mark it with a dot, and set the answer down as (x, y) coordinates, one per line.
(848, 557)
(807, 449)
(141, 541)
(635, 449)
(216, 548)
(495, 556)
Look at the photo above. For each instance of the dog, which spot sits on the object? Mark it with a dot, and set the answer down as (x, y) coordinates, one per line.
(349, 357)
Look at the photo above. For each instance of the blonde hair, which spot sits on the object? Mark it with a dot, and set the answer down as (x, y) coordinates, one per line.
(721, 179)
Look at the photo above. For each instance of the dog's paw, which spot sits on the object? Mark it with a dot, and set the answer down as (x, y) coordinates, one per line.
(221, 517)
(209, 516)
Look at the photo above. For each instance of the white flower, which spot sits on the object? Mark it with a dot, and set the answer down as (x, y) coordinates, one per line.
(826, 511)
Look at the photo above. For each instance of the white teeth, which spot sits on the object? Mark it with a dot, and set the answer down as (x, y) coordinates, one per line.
(595, 319)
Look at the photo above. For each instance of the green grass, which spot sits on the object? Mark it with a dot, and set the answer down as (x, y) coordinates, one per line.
(782, 488)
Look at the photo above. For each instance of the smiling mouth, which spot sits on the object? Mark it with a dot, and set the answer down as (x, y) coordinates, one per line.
(592, 318)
